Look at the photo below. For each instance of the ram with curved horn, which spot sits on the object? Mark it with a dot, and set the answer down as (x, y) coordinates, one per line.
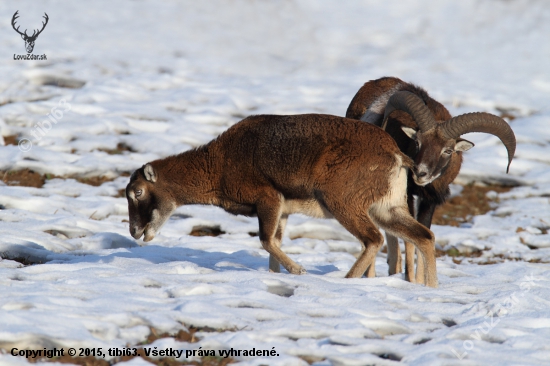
(424, 130)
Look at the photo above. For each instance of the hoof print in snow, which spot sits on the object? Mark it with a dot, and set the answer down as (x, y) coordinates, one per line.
(281, 290)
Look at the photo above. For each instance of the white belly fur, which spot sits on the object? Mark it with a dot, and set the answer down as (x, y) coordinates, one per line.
(309, 207)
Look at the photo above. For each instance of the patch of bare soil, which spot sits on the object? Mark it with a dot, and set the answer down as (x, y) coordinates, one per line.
(501, 259)
(456, 255)
(11, 140)
(92, 361)
(29, 178)
(120, 149)
(95, 181)
(206, 231)
(25, 178)
(472, 201)
(181, 336)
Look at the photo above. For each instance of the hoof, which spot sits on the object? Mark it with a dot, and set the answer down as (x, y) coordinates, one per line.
(298, 271)
(411, 279)
(433, 284)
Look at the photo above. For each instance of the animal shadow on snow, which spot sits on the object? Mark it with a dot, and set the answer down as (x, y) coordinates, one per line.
(242, 260)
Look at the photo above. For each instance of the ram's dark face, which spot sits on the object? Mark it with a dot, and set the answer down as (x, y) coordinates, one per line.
(433, 153)
(149, 206)
(438, 136)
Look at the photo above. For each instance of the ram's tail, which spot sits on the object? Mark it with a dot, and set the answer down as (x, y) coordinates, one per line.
(406, 161)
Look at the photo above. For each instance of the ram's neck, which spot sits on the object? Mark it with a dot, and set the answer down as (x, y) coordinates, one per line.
(191, 177)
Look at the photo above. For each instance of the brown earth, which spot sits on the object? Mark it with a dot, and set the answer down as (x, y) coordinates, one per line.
(206, 231)
(11, 140)
(25, 178)
(461, 209)
(472, 201)
(29, 178)
(120, 148)
(181, 336)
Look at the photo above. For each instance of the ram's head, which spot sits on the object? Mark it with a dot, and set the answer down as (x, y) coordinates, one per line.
(437, 141)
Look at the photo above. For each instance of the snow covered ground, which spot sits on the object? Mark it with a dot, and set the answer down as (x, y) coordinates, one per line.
(161, 77)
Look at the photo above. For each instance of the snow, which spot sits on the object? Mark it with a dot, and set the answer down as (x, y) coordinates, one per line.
(161, 77)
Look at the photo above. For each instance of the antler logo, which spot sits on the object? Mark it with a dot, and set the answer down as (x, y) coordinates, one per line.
(29, 40)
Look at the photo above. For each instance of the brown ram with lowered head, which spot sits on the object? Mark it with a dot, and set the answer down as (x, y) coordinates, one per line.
(272, 166)
(424, 130)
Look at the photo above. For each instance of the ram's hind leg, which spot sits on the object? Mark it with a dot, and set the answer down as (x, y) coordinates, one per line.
(274, 265)
(394, 255)
(369, 235)
(401, 224)
(269, 210)
(359, 224)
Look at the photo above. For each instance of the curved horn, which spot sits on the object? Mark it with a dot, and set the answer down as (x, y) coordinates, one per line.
(481, 122)
(413, 105)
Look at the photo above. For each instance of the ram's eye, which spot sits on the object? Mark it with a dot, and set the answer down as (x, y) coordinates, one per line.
(138, 192)
(448, 151)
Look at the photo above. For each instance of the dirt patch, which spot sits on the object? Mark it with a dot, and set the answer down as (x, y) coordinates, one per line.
(83, 361)
(202, 230)
(472, 201)
(92, 361)
(29, 178)
(498, 258)
(11, 140)
(24, 178)
(311, 359)
(181, 336)
(95, 181)
(120, 149)
(456, 255)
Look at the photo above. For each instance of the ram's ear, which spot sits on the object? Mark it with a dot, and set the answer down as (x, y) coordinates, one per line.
(150, 173)
(463, 145)
(411, 132)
